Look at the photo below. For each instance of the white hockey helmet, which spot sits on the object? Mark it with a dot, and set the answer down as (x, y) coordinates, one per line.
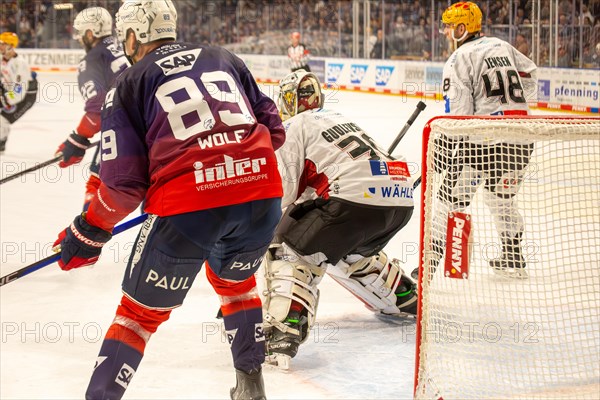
(298, 92)
(150, 20)
(95, 19)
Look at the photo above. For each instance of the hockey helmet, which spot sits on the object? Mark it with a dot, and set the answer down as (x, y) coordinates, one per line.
(95, 19)
(9, 38)
(298, 92)
(150, 20)
(463, 12)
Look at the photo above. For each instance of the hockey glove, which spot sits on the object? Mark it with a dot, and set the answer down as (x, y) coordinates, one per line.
(6, 107)
(72, 150)
(80, 244)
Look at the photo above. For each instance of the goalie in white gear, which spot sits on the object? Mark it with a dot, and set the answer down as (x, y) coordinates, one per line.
(344, 199)
(484, 76)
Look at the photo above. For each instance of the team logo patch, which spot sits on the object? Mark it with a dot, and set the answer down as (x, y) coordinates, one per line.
(392, 168)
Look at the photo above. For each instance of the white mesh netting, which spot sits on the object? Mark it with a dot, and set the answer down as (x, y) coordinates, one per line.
(511, 310)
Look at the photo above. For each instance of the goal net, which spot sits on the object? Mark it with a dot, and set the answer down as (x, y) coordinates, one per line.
(510, 277)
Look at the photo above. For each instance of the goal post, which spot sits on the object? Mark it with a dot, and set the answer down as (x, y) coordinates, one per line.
(509, 283)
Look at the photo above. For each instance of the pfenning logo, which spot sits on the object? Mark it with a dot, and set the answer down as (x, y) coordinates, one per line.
(124, 376)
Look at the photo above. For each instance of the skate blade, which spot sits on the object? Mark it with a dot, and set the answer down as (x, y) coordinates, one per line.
(511, 273)
(400, 318)
(281, 361)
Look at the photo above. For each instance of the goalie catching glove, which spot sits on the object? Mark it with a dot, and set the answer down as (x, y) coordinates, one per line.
(80, 244)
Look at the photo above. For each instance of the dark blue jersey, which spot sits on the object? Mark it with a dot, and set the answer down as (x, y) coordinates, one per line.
(98, 71)
(188, 129)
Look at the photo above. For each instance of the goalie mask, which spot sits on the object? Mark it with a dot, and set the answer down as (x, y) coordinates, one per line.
(298, 92)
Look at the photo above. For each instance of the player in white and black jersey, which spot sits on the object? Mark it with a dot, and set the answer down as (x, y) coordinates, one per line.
(484, 76)
(18, 85)
(298, 54)
(344, 199)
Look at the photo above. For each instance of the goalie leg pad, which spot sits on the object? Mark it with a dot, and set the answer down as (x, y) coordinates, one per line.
(287, 280)
(378, 283)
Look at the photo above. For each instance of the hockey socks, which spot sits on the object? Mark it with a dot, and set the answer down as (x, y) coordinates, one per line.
(242, 317)
(115, 366)
(123, 349)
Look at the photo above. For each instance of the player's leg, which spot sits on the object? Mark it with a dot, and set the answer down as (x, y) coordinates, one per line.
(459, 185)
(93, 182)
(509, 163)
(367, 272)
(4, 132)
(378, 282)
(290, 299)
(9, 117)
(159, 274)
(247, 231)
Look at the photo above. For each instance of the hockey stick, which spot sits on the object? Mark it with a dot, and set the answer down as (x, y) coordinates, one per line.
(13, 276)
(38, 166)
(420, 107)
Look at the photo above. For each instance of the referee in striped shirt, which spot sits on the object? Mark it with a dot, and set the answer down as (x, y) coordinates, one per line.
(298, 54)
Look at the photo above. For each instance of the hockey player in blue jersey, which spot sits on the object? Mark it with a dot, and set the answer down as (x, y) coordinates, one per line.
(186, 130)
(98, 70)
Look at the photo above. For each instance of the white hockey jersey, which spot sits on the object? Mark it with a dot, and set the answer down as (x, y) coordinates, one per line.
(15, 78)
(327, 155)
(488, 76)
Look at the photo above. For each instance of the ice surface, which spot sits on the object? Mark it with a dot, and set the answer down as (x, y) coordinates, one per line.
(53, 322)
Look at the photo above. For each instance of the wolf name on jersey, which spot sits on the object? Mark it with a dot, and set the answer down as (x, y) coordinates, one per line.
(204, 148)
(487, 76)
(357, 171)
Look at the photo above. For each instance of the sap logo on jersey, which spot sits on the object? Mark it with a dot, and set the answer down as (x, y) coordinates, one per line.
(125, 374)
(178, 62)
(228, 169)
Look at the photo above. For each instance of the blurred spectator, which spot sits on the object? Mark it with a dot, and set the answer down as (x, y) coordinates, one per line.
(521, 44)
(377, 51)
(262, 26)
(564, 56)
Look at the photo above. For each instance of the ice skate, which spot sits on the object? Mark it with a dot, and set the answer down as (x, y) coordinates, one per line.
(406, 302)
(511, 264)
(283, 346)
(249, 386)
